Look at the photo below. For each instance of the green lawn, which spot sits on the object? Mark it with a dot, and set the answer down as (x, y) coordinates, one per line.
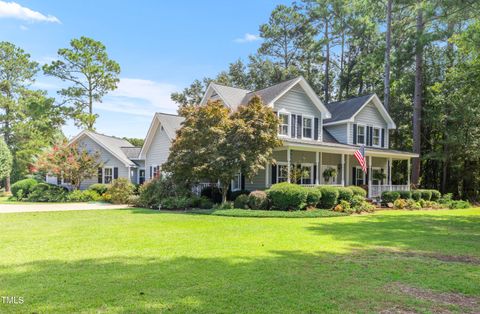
(142, 261)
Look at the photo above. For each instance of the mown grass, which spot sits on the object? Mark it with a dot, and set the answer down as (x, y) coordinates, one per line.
(268, 213)
(145, 261)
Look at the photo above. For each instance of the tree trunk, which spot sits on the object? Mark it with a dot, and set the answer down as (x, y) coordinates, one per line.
(417, 102)
(224, 192)
(342, 61)
(386, 96)
(327, 63)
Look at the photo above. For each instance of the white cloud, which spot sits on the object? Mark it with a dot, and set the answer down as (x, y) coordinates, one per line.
(140, 97)
(247, 38)
(16, 11)
(23, 28)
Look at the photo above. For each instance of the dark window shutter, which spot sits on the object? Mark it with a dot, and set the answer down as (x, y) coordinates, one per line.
(354, 134)
(354, 176)
(151, 172)
(314, 174)
(293, 126)
(115, 173)
(383, 137)
(242, 182)
(100, 175)
(299, 126)
(59, 180)
(371, 135)
(274, 174)
(367, 139)
(315, 129)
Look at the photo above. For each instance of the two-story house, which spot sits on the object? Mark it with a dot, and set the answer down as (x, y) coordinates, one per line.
(318, 140)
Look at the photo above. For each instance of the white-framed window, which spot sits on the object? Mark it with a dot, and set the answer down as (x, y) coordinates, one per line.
(156, 171)
(237, 182)
(282, 172)
(307, 127)
(376, 137)
(359, 176)
(107, 175)
(284, 126)
(361, 134)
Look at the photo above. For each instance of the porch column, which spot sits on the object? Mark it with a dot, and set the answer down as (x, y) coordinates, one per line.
(369, 176)
(390, 171)
(288, 165)
(343, 169)
(408, 176)
(317, 180)
(267, 166)
(320, 175)
(347, 176)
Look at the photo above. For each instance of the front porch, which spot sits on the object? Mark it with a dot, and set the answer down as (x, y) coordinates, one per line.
(338, 167)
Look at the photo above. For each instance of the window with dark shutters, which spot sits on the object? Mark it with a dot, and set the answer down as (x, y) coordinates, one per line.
(115, 173)
(100, 175)
(383, 137)
(315, 129)
(354, 134)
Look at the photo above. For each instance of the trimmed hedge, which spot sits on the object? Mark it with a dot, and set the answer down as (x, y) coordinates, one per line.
(25, 186)
(232, 195)
(357, 190)
(83, 196)
(100, 188)
(286, 196)
(258, 200)
(426, 195)
(405, 194)
(390, 196)
(313, 196)
(329, 197)
(436, 195)
(45, 192)
(416, 195)
(345, 194)
(241, 201)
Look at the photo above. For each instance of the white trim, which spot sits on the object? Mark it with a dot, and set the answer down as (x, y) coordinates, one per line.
(289, 128)
(310, 93)
(103, 175)
(312, 126)
(379, 136)
(239, 181)
(364, 134)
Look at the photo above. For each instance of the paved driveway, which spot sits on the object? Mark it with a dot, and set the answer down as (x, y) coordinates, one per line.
(51, 207)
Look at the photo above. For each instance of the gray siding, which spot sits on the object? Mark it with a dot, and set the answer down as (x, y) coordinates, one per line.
(108, 160)
(296, 101)
(257, 182)
(339, 132)
(158, 152)
(370, 116)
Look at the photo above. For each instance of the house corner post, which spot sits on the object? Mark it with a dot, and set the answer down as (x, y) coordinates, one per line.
(267, 166)
(369, 176)
(289, 168)
(390, 161)
(317, 175)
(343, 169)
(347, 168)
(409, 173)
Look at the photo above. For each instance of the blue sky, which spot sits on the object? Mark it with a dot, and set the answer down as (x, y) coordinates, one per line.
(161, 46)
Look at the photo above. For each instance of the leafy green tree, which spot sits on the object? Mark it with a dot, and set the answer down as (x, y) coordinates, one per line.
(5, 160)
(91, 72)
(137, 142)
(70, 162)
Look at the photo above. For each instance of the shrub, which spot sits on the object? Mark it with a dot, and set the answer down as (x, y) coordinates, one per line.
(241, 201)
(134, 200)
(390, 196)
(405, 194)
(231, 196)
(258, 200)
(357, 201)
(329, 197)
(400, 203)
(426, 195)
(226, 205)
(83, 196)
(313, 197)
(344, 207)
(436, 195)
(44, 192)
(152, 192)
(459, 204)
(357, 190)
(446, 198)
(345, 194)
(213, 193)
(170, 202)
(25, 185)
(120, 191)
(413, 204)
(416, 195)
(285, 196)
(99, 188)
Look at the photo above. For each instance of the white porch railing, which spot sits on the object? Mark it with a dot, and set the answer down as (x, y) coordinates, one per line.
(314, 185)
(197, 189)
(377, 190)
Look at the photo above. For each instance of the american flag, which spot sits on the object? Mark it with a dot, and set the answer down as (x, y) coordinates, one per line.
(360, 155)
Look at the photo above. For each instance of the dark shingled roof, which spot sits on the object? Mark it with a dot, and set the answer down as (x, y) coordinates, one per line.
(270, 93)
(327, 137)
(343, 110)
(131, 152)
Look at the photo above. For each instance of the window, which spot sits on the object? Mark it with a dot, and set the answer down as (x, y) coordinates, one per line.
(107, 175)
(156, 171)
(141, 176)
(237, 182)
(359, 176)
(282, 173)
(376, 137)
(307, 127)
(361, 134)
(377, 174)
(284, 127)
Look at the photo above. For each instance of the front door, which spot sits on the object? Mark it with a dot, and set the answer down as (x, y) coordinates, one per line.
(141, 176)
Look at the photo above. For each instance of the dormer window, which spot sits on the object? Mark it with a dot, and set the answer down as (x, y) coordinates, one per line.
(284, 126)
(361, 134)
(307, 127)
(376, 137)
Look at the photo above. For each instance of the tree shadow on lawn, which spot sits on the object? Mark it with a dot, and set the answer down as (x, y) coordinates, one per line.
(442, 234)
(283, 281)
